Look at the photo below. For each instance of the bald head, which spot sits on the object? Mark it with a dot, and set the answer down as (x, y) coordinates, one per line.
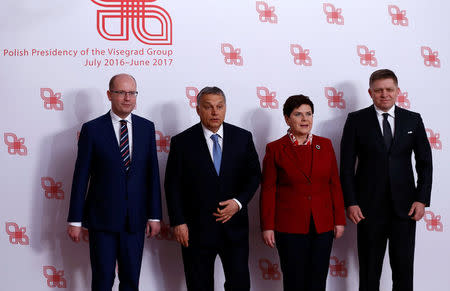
(117, 78)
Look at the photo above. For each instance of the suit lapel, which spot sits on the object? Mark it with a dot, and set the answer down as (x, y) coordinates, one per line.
(293, 158)
(398, 126)
(110, 138)
(136, 141)
(203, 150)
(226, 147)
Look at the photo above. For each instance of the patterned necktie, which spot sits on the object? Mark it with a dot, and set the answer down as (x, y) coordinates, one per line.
(124, 147)
(387, 132)
(217, 152)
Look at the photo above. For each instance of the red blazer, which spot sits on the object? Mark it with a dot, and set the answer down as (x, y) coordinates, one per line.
(289, 196)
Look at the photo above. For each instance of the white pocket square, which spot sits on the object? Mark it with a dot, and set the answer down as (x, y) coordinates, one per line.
(410, 132)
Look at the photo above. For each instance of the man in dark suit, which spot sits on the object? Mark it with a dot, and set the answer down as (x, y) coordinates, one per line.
(382, 196)
(117, 159)
(212, 173)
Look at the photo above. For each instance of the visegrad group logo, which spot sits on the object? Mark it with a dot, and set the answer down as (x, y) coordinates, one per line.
(150, 24)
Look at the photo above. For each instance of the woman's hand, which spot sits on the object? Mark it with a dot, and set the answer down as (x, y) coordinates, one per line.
(338, 231)
(268, 237)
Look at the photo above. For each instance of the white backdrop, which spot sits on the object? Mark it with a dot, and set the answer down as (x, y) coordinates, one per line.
(259, 53)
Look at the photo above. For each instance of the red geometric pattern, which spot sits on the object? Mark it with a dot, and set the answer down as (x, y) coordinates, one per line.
(397, 17)
(403, 101)
(17, 235)
(162, 142)
(15, 145)
(301, 57)
(269, 270)
(334, 16)
(53, 100)
(367, 58)
(433, 138)
(191, 94)
(142, 16)
(232, 55)
(54, 278)
(335, 98)
(430, 58)
(337, 268)
(267, 98)
(52, 189)
(433, 221)
(266, 13)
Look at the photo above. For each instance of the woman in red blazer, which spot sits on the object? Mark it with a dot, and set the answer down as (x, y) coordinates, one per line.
(302, 207)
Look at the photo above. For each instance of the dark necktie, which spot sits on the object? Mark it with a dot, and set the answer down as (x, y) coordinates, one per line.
(217, 152)
(387, 132)
(124, 147)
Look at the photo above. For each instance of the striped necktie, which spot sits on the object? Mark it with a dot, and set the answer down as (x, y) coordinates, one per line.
(124, 146)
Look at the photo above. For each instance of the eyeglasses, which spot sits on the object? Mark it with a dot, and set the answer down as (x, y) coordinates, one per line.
(125, 93)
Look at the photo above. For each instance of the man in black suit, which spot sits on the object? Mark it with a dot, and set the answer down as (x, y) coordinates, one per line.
(212, 173)
(382, 196)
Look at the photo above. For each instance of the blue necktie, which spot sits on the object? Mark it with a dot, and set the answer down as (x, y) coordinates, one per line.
(217, 152)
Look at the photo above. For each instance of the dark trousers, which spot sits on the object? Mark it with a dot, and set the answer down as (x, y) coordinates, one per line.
(373, 236)
(199, 266)
(304, 259)
(108, 247)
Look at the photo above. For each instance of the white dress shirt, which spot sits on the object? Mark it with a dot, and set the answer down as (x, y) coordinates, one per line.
(115, 119)
(391, 118)
(208, 133)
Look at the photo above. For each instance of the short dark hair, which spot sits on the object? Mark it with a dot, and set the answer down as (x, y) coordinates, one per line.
(296, 101)
(210, 90)
(113, 79)
(383, 74)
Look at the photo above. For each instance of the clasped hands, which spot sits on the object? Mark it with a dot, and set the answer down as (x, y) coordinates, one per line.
(230, 207)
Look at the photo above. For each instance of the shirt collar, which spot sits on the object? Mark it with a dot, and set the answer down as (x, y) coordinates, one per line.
(116, 118)
(380, 112)
(294, 140)
(208, 132)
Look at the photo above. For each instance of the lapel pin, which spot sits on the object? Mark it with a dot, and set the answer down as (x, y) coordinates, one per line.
(317, 146)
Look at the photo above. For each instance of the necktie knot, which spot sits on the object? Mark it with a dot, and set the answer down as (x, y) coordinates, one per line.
(215, 137)
(385, 116)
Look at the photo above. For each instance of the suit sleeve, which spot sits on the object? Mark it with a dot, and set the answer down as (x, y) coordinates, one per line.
(424, 164)
(348, 160)
(252, 172)
(173, 184)
(336, 191)
(81, 176)
(155, 211)
(268, 191)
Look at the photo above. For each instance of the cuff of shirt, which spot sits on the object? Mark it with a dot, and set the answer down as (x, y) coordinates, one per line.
(75, 224)
(238, 203)
(154, 220)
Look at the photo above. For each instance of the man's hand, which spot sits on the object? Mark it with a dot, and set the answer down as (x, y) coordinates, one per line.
(417, 211)
(338, 231)
(181, 233)
(153, 228)
(74, 232)
(354, 214)
(225, 214)
(268, 237)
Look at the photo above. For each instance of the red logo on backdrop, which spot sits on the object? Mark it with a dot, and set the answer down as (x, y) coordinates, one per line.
(51, 100)
(433, 221)
(151, 24)
(433, 138)
(54, 278)
(430, 58)
(15, 145)
(17, 235)
(337, 268)
(267, 98)
(398, 17)
(162, 142)
(335, 98)
(232, 55)
(52, 189)
(166, 233)
(367, 58)
(333, 15)
(403, 101)
(266, 13)
(301, 57)
(269, 270)
(191, 94)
